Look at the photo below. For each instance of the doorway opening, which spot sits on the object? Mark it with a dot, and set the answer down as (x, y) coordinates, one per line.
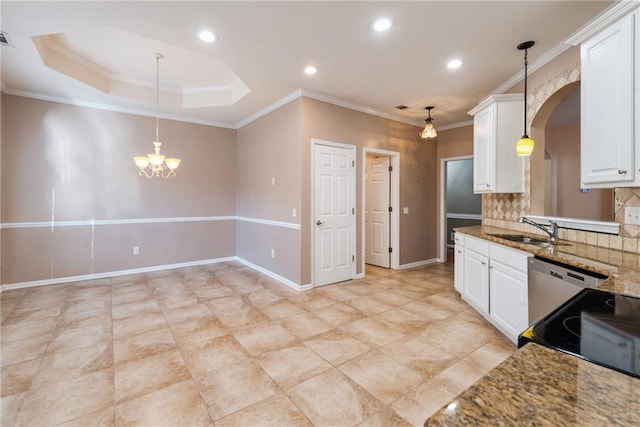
(380, 208)
(460, 207)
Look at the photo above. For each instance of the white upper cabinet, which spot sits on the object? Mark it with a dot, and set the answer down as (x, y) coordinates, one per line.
(610, 156)
(497, 125)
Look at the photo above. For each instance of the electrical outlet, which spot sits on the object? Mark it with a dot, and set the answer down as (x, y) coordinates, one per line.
(405, 210)
(632, 215)
(294, 212)
(273, 253)
(273, 180)
(136, 250)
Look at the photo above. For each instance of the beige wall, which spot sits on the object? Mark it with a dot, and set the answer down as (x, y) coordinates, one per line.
(418, 174)
(69, 163)
(267, 148)
(563, 146)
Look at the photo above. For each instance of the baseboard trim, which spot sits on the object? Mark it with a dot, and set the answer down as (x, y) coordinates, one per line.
(83, 277)
(360, 275)
(418, 263)
(275, 276)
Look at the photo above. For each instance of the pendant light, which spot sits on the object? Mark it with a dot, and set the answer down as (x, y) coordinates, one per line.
(524, 146)
(155, 164)
(429, 131)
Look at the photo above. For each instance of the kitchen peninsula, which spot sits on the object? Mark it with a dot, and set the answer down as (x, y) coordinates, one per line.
(543, 386)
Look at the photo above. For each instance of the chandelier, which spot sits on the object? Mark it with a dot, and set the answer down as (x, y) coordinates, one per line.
(156, 164)
(429, 131)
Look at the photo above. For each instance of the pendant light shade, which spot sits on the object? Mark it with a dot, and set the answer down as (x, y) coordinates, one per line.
(429, 131)
(524, 146)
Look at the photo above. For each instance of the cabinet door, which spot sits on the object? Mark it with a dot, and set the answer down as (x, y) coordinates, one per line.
(476, 280)
(458, 271)
(607, 105)
(483, 150)
(508, 299)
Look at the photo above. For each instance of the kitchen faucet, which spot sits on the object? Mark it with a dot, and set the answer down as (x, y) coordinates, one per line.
(550, 229)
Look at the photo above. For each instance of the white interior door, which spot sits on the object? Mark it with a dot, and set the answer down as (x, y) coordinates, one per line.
(334, 214)
(377, 215)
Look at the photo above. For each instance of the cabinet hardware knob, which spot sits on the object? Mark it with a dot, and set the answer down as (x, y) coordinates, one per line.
(483, 263)
(621, 172)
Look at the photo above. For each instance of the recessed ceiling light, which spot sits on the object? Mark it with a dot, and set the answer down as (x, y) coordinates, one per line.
(382, 24)
(453, 64)
(207, 36)
(310, 70)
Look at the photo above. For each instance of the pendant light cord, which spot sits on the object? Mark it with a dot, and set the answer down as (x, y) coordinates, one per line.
(525, 94)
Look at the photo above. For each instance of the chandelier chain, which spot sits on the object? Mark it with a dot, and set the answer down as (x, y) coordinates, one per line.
(157, 94)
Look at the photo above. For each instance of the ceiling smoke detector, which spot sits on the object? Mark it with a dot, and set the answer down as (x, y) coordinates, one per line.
(4, 39)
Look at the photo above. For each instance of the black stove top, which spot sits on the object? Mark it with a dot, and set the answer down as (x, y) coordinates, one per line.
(598, 326)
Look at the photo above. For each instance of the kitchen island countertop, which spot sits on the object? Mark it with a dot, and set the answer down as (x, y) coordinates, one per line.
(541, 386)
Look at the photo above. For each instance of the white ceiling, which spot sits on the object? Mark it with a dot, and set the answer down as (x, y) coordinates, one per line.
(267, 45)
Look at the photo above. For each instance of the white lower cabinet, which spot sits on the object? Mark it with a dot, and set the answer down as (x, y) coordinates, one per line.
(508, 299)
(495, 284)
(476, 280)
(458, 256)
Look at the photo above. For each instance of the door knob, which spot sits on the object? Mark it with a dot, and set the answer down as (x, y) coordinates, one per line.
(318, 222)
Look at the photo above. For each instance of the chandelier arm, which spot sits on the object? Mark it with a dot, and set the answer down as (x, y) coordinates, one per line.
(145, 173)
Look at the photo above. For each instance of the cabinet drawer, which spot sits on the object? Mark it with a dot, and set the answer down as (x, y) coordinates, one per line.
(478, 245)
(512, 257)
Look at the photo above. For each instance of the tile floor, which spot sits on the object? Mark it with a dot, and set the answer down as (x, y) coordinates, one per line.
(224, 345)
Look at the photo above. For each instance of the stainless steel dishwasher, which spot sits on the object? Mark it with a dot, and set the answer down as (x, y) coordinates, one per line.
(552, 283)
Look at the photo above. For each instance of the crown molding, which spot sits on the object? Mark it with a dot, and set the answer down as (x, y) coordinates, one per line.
(611, 14)
(358, 107)
(298, 93)
(269, 108)
(605, 18)
(107, 107)
(543, 60)
(456, 125)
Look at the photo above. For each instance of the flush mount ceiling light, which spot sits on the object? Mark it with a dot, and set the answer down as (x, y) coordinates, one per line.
(310, 70)
(155, 164)
(524, 146)
(382, 24)
(453, 64)
(207, 36)
(429, 131)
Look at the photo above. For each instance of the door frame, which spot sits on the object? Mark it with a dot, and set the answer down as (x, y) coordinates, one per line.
(352, 237)
(394, 199)
(442, 256)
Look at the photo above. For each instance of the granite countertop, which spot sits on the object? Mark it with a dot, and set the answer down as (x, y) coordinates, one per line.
(623, 268)
(540, 386)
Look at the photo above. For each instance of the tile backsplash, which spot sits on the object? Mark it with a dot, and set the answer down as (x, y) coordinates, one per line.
(505, 210)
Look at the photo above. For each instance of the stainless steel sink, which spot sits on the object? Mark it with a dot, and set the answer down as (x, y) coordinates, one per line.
(520, 238)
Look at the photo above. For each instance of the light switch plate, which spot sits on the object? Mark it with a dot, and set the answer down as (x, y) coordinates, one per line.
(632, 215)
(405, 210)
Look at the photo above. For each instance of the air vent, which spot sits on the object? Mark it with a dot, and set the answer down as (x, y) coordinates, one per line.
(4, 39)
(401, 107)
